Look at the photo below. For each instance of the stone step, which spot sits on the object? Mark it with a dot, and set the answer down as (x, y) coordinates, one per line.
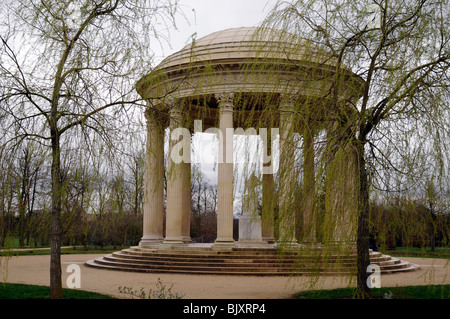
(232, 251)
(203, 261)
(92, 263)
(252, 262)
(224, 264)
(239, 261)
(258, 272)
(215, 255)
(231, 262)
(100, 263)
(220, 257)
(409, 267)
(246, 265)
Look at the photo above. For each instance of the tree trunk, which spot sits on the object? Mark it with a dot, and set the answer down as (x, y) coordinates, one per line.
(362, 241)
(433, 229)
(30, 216)
(55, 258)
(21, 230)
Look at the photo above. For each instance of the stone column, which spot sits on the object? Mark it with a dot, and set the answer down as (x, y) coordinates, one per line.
(268, 194)
(175, 185)
(154, 181)
(309, 217)
(286, 170)
(225, 174)
(186, 218)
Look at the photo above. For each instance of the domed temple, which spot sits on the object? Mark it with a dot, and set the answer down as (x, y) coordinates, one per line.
(250, 81)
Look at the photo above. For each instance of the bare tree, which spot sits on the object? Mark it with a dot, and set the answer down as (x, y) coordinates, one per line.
(136, 167)
(68, 70)
(6, 196)
(26, 176)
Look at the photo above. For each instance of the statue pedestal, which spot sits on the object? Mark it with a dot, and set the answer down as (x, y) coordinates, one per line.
(250, 223)
(250, 230)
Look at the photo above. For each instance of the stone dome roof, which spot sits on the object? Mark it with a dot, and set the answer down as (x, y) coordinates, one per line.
(242, 43)
(246, 59)
(226, 36)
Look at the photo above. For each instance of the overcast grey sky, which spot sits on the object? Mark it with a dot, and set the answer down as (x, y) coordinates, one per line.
(208, 16)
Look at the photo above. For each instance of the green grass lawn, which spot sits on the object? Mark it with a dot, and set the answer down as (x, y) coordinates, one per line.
(30, 251)
(440, 252)
(426, 252)
(20, 291)
(409, 292)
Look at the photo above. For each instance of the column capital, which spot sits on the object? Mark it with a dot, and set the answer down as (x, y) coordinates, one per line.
(155, 118)
(287, 102)
(225, 99)
(163, 103)
(176, 112)
(149, 113)
(176, 116)
(169, 101)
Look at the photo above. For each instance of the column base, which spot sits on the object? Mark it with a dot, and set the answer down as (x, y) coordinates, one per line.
(150, 241)
(269, 240)
(288, 244)
(251, 241)
(186, 239)
(173, 241)
(224, 243)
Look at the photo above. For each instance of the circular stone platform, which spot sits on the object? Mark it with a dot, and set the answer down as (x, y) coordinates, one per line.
(244, 259)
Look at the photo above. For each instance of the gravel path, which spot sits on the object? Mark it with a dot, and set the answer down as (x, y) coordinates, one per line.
(35, 270)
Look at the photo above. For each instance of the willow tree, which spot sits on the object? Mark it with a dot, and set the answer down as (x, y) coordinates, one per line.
(401, 49)
(67, 71)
